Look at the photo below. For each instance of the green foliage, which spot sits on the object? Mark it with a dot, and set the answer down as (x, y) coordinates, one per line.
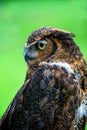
(17, 20)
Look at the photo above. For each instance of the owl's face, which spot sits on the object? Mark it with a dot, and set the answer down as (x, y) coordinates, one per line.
(39, 51)
(53, 45)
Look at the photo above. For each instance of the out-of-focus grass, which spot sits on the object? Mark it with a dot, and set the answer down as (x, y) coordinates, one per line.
(86, 127)
(17, 20)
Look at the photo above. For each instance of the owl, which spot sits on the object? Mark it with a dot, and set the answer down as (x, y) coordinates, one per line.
(54, 93)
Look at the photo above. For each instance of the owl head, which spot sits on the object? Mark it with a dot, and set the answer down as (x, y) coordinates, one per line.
(52, 45)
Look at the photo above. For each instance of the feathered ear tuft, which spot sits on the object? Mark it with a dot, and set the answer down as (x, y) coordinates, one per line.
(61, 34)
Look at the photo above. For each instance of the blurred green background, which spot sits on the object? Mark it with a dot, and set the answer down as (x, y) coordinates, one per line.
(17, 20)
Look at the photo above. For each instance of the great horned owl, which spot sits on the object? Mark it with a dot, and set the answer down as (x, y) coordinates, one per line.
(54, 94)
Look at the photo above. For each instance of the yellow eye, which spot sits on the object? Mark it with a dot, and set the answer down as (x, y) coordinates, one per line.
(42, 45)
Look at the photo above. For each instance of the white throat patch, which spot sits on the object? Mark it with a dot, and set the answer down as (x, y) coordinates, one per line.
(63, 64)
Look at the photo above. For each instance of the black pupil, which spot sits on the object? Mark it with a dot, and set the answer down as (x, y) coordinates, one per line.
(41, 45)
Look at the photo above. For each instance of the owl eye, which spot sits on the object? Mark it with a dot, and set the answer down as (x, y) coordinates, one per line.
(42, 45)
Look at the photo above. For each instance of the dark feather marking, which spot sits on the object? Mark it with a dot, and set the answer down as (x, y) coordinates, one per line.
(53, 50)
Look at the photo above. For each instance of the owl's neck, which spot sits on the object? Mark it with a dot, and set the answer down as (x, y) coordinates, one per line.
(78, 65)
(30, 71)
(76, 61)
